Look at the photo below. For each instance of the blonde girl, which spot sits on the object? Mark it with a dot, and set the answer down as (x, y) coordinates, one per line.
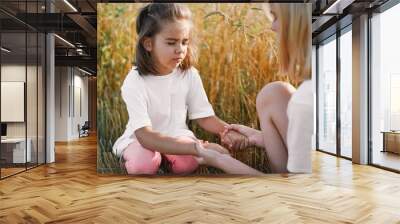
(285, 113)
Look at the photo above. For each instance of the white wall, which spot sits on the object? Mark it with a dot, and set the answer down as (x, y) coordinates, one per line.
(16, 73)
(33, 126)
(71, 93)
(62, 80)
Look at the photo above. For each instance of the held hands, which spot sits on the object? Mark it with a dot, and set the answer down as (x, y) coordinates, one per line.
(215, 147)
(208, 153)
(247, 137)
(234, 139)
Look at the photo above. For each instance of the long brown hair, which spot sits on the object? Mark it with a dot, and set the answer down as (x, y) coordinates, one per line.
(149, 22)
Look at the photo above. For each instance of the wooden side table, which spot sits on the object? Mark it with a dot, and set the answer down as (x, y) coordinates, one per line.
(391, 141)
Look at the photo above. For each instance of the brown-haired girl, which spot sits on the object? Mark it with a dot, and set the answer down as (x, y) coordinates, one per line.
(161, 92)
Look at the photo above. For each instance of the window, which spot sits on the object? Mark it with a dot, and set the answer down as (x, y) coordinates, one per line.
(22, 65)
(346, 93)
(327, 96)
(385, 86)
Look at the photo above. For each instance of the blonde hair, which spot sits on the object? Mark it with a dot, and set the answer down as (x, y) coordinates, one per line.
(149, 22)
(294, 39)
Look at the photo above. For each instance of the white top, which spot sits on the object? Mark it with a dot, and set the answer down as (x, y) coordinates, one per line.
(162, 103)
(300, 114)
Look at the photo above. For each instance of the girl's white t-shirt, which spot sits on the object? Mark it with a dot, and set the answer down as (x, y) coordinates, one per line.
(299, 136)
(162, 103)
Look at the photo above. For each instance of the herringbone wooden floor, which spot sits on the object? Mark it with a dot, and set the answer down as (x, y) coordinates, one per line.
(70, 191)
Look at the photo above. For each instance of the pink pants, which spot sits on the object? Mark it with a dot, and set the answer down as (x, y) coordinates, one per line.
(139, 160)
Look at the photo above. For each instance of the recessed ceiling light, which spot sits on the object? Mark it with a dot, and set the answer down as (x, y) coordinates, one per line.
(71, 6)
(84, 71)
(64, 40)
(337, 7)
(328, 10)
(5, 50)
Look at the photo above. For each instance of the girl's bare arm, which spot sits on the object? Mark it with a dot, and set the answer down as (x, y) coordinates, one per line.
(212, 124)
(154, 140)
(223, 161)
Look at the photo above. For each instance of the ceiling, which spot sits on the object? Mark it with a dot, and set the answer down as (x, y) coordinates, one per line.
(77, 25)
(332, 15)
(75, 21)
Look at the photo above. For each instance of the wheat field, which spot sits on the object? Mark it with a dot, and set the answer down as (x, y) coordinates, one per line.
(237, 56)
